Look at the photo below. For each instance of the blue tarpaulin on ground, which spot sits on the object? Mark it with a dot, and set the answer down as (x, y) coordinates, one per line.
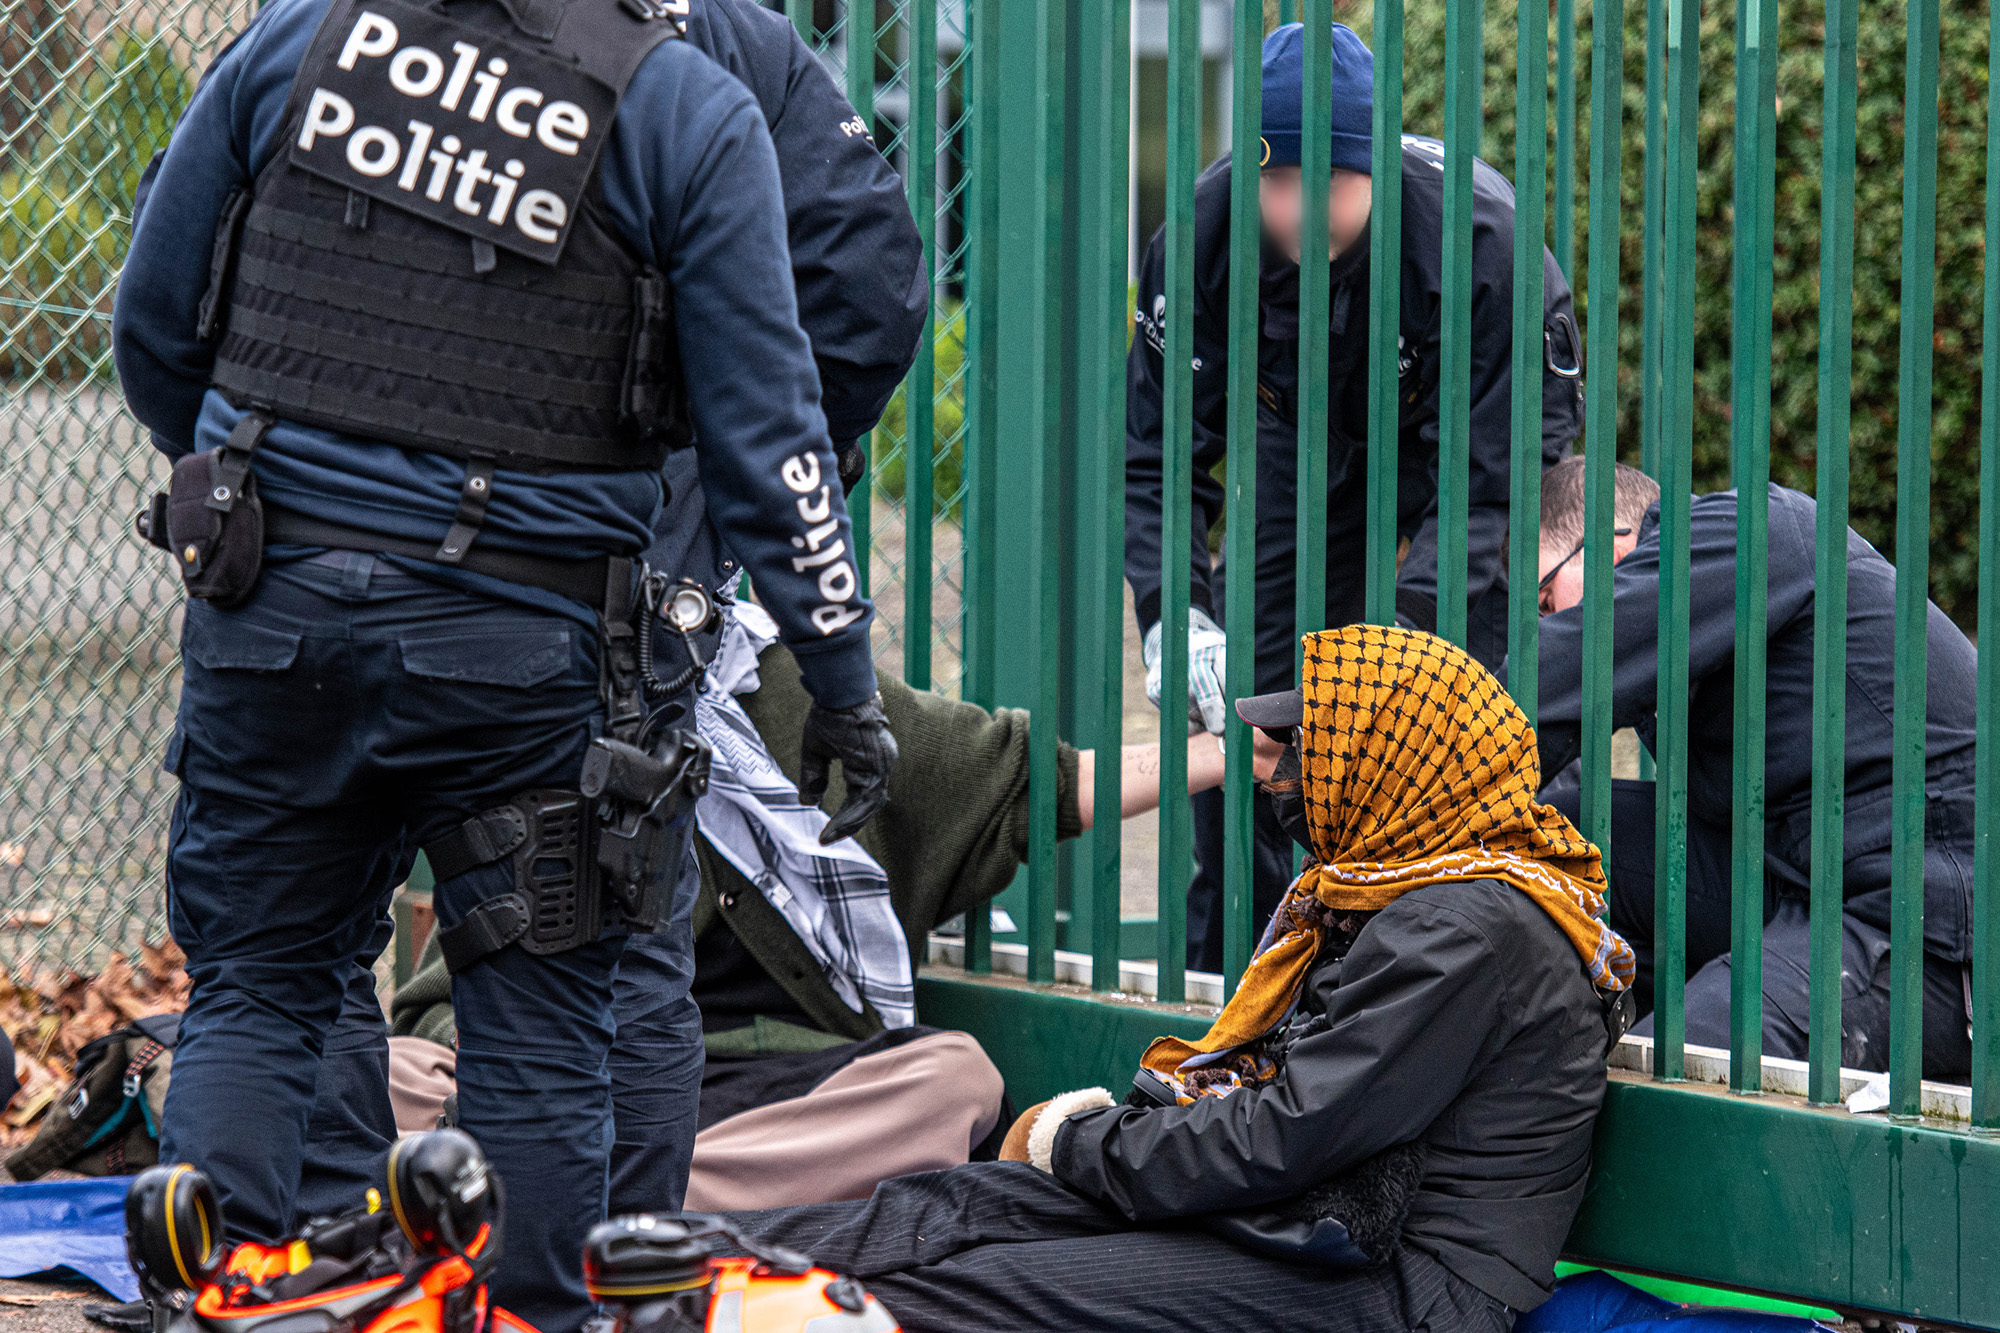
(1600, 1303)
(75, 1224)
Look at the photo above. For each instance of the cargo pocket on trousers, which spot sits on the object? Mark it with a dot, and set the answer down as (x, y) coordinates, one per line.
(218, 641)
(517, 658)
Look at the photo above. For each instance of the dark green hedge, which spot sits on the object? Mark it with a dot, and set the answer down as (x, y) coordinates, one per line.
(1878, 263)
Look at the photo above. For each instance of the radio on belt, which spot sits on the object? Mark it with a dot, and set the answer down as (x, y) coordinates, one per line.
(486, 137)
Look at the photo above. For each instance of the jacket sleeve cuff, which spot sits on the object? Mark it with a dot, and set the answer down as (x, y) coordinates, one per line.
(838, 676)
(1069, 823)
(1147, 609)
(1416, 610)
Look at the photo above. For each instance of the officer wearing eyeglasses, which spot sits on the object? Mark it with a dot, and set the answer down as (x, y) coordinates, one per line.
(1865, 835)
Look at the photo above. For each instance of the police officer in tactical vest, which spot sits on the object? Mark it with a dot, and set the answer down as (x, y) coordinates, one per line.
(1278, 391)
(863, 295)
(419, 301)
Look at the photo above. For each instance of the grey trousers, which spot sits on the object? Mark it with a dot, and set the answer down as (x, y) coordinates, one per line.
(1001, 1246)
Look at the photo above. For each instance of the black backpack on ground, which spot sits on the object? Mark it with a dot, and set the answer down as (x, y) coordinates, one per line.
(106, 1123)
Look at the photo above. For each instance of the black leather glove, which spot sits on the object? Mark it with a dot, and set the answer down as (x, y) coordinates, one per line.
(859, 738)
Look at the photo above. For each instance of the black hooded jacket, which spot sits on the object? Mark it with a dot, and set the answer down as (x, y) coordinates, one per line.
(1462, 1018)
(1347, 385)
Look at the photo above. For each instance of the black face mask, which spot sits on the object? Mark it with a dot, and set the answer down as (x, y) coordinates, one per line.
(1290, 806)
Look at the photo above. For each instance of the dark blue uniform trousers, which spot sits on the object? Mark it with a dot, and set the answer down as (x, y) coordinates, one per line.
(656, 1061)
(1864, 952)
(656, 1064)
(343, 716)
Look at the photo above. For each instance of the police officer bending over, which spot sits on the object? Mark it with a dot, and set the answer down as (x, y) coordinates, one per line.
(1871, 658)
(411, 301)
(1347, 410)
(863, 294)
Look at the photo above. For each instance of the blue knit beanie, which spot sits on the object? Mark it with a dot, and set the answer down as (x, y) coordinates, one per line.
(1353, 98)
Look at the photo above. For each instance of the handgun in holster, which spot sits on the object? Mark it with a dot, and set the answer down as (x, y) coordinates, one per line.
(644, 798)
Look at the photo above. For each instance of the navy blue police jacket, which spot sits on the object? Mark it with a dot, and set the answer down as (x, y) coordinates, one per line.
(1347, 388)
(691, 181)
(857, 261)
(1870, 693)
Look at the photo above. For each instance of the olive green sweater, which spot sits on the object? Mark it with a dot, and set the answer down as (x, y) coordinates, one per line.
(953, 834)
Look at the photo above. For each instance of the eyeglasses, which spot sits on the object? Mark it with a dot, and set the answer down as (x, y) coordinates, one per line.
(1575, 551)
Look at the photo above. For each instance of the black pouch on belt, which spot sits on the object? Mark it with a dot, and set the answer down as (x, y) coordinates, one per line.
(214, 520)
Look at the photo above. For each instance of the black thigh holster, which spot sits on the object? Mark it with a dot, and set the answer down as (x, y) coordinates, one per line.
(586, 863)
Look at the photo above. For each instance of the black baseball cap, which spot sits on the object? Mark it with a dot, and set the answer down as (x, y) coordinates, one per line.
(1274, 714)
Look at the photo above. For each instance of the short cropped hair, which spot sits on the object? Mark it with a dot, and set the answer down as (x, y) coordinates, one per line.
(1633, 492)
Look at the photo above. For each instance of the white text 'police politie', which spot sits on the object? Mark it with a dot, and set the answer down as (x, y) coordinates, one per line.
(441, 129)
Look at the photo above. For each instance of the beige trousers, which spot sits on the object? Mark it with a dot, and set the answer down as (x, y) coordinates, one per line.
(916, 1107)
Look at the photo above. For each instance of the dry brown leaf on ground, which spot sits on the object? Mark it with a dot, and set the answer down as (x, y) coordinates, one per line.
(52, 1016)
(96, 1019)
(165, 962)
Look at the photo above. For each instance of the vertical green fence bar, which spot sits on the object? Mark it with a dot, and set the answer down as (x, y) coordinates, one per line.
(1600, 433)
(1836, 390)
(1288, 12)
(1676, 484)
(1985, 908)
(1565, 223)
(1464, 63)
(1385, 311)
(1107, 80)
(1045, 442)
(1750, 441)
(800, 12)
(1176, 536)
(1315, 170)
(1564, 241)
(861, 92)
(1913, 549)
(920, 389)
(1649, 248)
(1245, 234)
(1651, 295)
(982, 301)
(1531, 166)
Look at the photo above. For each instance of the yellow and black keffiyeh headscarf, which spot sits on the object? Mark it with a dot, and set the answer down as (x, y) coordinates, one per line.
(1418, 770)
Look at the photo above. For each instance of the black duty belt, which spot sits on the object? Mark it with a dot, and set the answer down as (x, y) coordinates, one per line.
(603, 583)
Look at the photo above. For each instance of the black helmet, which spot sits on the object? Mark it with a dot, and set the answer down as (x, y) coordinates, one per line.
(173, 1228)
(631, 1260)
(441, 1190)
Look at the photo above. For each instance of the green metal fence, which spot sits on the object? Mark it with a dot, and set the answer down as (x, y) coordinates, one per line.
(1064, 664)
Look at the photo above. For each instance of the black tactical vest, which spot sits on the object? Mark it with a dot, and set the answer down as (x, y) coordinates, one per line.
(428, 259)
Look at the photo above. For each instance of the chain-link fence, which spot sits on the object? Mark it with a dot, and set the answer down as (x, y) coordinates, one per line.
(89, 617)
